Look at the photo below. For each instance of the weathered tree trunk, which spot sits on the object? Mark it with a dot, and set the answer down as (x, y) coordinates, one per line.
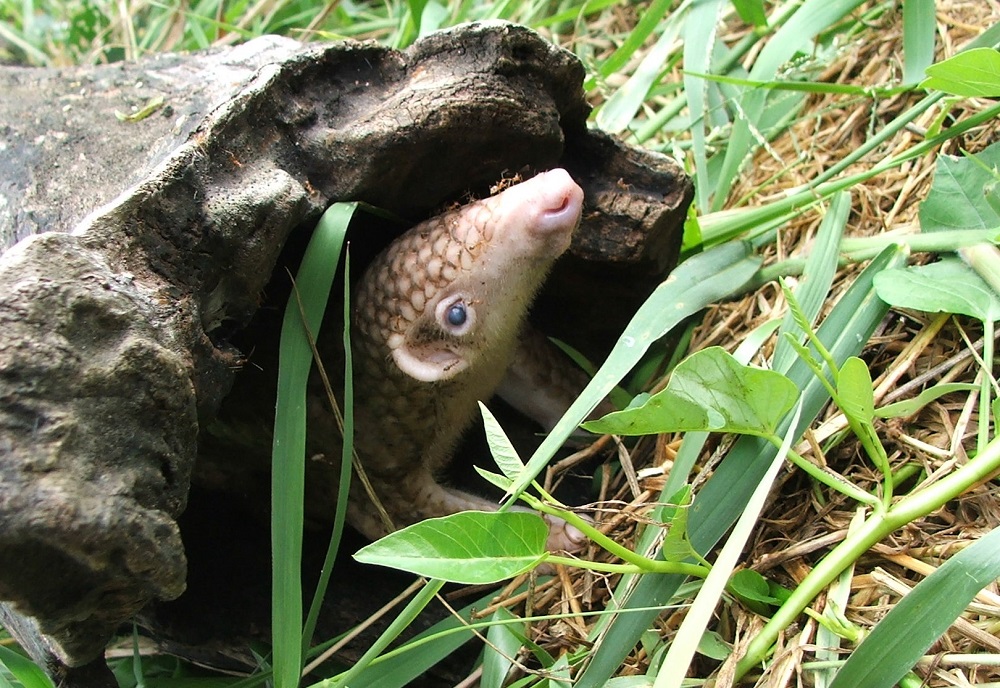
(136, 249)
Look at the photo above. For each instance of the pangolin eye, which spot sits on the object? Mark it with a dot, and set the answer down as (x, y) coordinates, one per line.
(457, 314)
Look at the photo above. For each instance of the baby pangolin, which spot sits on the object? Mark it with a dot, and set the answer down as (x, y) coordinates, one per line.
(438, 317)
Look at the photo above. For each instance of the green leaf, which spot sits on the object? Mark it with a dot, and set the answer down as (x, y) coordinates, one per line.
(24, 670)
(921, 617)
(495, 479)
(854, 386)
(919, 27)
(908, 407)
(958, 196)
(648, 21)
(403, 619)
(797, 87)
(504, 643)
(811, 18)
(699, 281)
(675, 545)
(714, 647)
(303, 314)
(664, 411)
(973, 73)
(630, 682)
(502, 450)
(473, 547)
(754, 591)
(857, 400)
(751, 11)
(619, 110)
(406, 663)
(699, 42)
(849, 325)
(948, 286)
(820, 270)
(709, 390)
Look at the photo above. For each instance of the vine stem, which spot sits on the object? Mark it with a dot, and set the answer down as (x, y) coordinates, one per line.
(872, 531)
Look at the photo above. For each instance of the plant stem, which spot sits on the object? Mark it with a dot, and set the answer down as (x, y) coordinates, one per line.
(834, 482)
(638, 563)
(648, 566)
(872, 531)
(858, 249)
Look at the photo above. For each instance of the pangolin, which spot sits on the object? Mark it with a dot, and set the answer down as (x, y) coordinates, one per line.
(437, 320)
(437, 324)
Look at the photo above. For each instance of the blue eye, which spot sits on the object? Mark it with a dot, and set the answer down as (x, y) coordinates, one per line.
(457, 315)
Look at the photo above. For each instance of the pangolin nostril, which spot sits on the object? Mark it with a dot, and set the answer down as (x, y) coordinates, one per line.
(563, 204)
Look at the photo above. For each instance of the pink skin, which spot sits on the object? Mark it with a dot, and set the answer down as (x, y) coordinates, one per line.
(548, 208)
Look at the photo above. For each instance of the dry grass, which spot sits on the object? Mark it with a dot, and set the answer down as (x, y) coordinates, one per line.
(909, 353)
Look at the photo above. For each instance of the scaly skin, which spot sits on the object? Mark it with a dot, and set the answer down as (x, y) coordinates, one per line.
(437, 318)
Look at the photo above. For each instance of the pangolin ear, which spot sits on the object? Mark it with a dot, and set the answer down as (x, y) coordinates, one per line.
(428, 361)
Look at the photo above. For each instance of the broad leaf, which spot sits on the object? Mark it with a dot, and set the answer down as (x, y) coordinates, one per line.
(500, 447)
(854, 385)
(710, 390)
(960, 194)
(948, 286)
(471, 547)
(973, 73)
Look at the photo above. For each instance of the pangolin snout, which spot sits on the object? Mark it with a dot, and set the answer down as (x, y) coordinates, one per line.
(560, 201)
(556, 202)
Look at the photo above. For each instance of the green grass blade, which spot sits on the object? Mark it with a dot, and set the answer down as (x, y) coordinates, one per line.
(866, 91)
(412, 660)
(696, 621)
(346, 455)
(619, 110)
(288, 453)
(723, 225)
(821, 268)
(651, 16)
(352, 677)
(699, 42)
(29, 674)
(505, 641)
(923, 615)
(919, 26)
(17, 39)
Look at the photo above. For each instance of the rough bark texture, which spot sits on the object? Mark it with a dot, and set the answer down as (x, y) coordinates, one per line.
(144, 246)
